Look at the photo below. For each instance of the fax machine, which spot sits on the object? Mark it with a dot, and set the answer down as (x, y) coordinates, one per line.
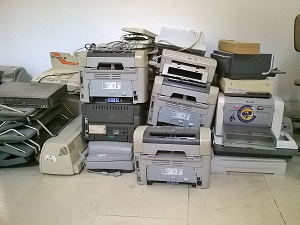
(251, 127)
(118, 77)
(111, 122)
(172, 154)
(178, 103)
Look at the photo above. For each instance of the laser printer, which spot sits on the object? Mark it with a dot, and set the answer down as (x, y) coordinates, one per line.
(251, 127)
(111, 122)
(176, 102)
(118, 77)
(187, 66)
(173, 155)
(109, 156)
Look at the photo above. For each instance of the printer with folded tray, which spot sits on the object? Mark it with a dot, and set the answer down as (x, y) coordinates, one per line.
(114, 77)
(251, 127)
(109, 156)
(173, 155)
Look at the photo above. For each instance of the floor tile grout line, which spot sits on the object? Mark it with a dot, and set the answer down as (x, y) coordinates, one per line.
(188, 206)
(274, 200)
(143, 217)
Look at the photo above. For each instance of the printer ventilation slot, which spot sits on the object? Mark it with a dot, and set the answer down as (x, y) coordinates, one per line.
(160, 162)
(177, 163)
(178, 106)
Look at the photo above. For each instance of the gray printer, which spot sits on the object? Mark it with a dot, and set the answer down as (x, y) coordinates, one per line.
(114, 76)
(244, 66)
(180, 103)
(13, 74)
(173, 155)
(109, 156)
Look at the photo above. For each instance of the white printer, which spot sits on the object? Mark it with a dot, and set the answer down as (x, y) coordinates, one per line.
(187, 66)
(251, 127)
(62, 154)
(114, 76)
(175, 102)
(173, 155)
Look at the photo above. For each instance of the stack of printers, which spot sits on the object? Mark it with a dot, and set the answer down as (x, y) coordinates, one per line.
(114, 89)
(183, 95)
(247, 132)
(176, 148)
(29, 114)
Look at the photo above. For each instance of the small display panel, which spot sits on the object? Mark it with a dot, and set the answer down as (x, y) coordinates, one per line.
(113, 100)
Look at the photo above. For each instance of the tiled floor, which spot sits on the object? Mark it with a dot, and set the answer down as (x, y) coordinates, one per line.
(29, 197)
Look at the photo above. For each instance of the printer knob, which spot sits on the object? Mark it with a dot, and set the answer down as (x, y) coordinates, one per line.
(191, 124)
(180, 121)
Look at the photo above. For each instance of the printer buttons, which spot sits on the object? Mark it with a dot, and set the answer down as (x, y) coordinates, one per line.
(173, 178)
(180, 121)
(112, 92)
(186, 179)
(123, 93)
(191, 124)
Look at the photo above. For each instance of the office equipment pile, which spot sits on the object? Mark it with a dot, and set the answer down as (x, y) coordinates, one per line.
(147, 103)
(247, 132)
(29, 114)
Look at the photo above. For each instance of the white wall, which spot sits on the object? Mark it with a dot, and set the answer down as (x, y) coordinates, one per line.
(30, 29)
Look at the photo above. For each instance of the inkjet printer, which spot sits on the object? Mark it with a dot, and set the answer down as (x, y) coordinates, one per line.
(111, 122)
(114, 76)
(251, 127)
(173, 155)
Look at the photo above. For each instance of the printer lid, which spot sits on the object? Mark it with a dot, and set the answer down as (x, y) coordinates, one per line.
(172, 135)
(101, 151)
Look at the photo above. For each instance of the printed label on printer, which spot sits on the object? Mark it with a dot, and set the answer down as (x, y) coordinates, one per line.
(171, 171)
(180, 115)
(111, 85)
(50, 158)
(97, 129)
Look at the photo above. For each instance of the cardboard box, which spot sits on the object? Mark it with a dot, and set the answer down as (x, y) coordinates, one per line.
(239, 47)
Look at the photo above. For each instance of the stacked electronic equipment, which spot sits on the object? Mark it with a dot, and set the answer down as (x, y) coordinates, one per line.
(176, 148)
(114, 89)
(248, 117)
(29, 114)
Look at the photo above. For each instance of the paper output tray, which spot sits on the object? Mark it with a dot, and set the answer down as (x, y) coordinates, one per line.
(248, 135)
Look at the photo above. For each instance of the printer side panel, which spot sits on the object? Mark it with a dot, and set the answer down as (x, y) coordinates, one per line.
(138, 149)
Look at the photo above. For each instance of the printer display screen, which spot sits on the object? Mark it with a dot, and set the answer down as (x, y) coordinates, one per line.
(113, 100)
